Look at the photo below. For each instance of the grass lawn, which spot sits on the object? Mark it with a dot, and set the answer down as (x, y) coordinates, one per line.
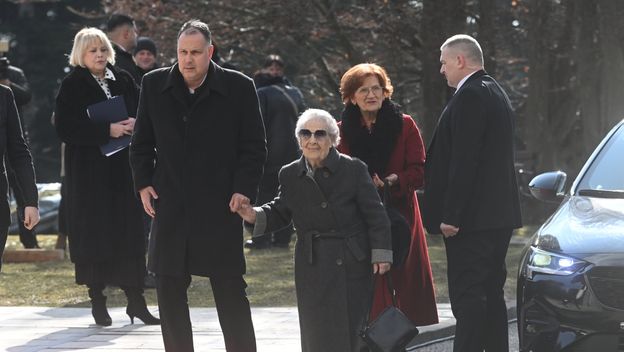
(269, 276)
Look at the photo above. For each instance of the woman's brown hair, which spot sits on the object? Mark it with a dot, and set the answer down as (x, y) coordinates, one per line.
(353, 79)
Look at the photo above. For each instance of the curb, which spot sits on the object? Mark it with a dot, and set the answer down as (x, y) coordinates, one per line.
(431, 334)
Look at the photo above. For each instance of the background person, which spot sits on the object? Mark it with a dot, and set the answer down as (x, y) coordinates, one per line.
(471, 195)
(197, 156)
(103, 216)
(14, 78)
(374, 130)
(145, 56)
(342, 230)
(13, 145)
(122, 33)
(281, 104)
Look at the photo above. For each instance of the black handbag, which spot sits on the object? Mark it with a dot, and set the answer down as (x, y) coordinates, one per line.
(400, 229)
(391, 331)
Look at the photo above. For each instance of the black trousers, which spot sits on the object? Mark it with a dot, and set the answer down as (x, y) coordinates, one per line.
(232, 309)
(476, 277)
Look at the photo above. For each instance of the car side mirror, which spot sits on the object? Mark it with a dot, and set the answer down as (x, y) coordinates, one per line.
(549, 186)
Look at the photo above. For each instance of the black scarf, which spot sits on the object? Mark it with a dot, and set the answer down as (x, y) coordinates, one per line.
(374, 147)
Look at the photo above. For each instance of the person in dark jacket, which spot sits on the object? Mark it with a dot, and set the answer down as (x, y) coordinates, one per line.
(145, 56)
(122, 33)
(281, 104)
(343, 235)
(471, 195)
(197, 154)
(104, 218)
(14, 78)
(13, 145)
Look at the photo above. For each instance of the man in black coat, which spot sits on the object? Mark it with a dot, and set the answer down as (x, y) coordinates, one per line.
(471, 195)
(197, 154)
(14, 78)
(281, 104)
(122, 32)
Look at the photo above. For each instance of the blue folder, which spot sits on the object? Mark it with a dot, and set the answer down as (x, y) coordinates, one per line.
(110, 111)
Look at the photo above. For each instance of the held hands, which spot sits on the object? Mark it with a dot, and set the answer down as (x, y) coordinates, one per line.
(241, 205)
(147, 194)
(381, 268)
(121, 128)
(448, 230)
(248, 213)
(392, 179)
(31, 217)
(237, 201)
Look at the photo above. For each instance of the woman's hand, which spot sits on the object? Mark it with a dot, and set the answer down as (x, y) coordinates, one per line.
(381, 268)
(377, 181)
(31, 217)
(121, 128)
(247, 212)
(392, 179)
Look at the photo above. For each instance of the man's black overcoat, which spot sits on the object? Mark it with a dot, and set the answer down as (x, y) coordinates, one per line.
(470, 178)
(195, 158)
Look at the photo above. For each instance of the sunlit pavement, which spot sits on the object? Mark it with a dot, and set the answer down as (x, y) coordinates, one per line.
(29, 329)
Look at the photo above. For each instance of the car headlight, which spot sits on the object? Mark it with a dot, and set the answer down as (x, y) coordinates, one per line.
(545, 262)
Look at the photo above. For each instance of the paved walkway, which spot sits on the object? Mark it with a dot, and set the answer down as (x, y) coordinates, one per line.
(29, 329)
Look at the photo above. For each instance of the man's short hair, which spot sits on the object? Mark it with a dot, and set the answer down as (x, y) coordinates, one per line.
(196, 26)
(117, 20)
(467, 45)
(273, 59)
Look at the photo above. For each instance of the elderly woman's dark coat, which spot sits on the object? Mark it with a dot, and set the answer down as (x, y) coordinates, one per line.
(12, 145)
(204, 153)
(104, 217)
(339, 220)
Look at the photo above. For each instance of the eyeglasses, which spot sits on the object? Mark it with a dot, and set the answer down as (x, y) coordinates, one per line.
(306, 134)
(365, 90)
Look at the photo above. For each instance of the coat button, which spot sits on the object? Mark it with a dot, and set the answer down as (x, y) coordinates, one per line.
(325, 174)
(324, 205)
(184, 118)
(338, 261)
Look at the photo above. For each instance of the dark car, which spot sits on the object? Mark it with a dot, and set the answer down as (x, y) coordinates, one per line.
(571, 277)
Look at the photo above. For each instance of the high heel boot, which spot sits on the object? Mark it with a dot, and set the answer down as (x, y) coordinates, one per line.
(98, 307)
(138, 308)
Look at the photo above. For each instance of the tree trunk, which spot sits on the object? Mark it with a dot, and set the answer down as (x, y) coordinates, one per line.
(441, 19)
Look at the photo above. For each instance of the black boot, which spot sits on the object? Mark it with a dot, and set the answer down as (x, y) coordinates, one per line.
(98, 307)
(138, 308)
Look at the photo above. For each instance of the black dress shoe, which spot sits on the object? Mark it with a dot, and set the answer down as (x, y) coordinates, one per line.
(255, 244)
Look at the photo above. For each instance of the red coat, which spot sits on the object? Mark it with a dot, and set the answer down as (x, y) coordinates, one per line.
(413, 281)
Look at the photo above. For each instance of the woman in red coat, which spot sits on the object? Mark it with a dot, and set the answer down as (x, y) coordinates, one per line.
(375, 131)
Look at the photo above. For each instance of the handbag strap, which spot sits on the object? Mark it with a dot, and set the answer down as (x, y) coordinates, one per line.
(390, 287)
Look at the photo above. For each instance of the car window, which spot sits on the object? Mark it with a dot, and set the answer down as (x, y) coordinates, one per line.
(606, 171)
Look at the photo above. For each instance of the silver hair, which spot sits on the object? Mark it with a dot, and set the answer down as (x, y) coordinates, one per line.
(467, 45)
(322, 115)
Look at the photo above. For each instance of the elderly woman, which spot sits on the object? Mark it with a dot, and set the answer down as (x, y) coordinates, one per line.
(343, 235)
(104, 218)
(374, 130)
(12, 145)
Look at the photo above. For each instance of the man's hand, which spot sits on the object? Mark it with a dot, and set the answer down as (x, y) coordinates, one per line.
(377, 181)
(448, 230)
(147, 194)
(238, 200)
(5, 82)
(31, 217)
(247, 212)
(381, 268)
